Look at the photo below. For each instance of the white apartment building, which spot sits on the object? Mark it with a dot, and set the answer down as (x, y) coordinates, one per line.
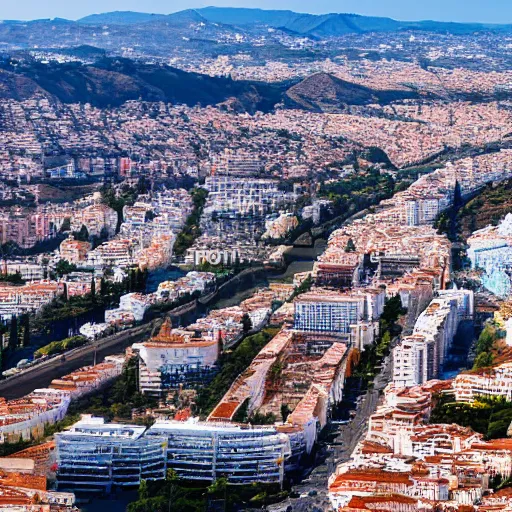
(488, 382)
(206, 451)
(327, 311)
(115, 253)
(243, 196)
(94, 456)
(236, 163)
(420, 357)
(419, 212)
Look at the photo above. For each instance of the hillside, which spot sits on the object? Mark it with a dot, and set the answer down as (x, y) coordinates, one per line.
(111, 82)
(325, 93)
(18, 87)
(487, 208)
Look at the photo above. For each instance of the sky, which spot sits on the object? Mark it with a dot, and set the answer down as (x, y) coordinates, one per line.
(489, 11)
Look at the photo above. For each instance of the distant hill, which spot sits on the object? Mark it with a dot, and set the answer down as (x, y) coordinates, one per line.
(111, 82)
(334, 24)
(120, 18)
(313, 24)
(245, 16)
(137, 18)
(322, 92)
(84, 51)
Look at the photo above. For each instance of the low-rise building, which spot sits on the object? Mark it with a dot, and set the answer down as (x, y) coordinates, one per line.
(74, 251)
(175, 357)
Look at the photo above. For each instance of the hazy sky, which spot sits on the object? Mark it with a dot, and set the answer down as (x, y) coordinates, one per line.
(497, 11)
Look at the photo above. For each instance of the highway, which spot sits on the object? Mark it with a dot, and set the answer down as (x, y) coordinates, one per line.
(41, 375)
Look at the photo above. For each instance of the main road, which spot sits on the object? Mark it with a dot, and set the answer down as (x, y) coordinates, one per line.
(41, 375)
(313, 490)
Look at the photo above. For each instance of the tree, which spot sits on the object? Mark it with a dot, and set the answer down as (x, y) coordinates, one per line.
(142, 185)
(25, 322)
(218, 486)
(63, 267)
(93, 289)
(483, 360)
(132, 287)
(82, 235)
(173, 491)
(13, 334)
(246, 323)
(66, 225)
(351, 246)
(142, 276)
(143, 490)
(457, 196)
(285, 411)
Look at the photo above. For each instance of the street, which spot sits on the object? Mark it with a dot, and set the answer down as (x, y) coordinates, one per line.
(342, 442)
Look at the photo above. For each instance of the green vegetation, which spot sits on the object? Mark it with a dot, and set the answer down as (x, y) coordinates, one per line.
(246, 323)
(62, 307)
(136, 281)
(12, 278)
(19, 334)
(13, 250)
(241, 414)
(489, 207)
(483, 360)
(113, 403)
(117, 200)
(497, 482)
(373, 355)
(489, 416)
(231, 364)
(7, 449)
(304, 287)
(358, 191)
(63, 267)
(350, 247)
(191, 229)
(258, 418)
(57, 347)
(218, 270)
(181, 496)
(82, 235)
(484, 346)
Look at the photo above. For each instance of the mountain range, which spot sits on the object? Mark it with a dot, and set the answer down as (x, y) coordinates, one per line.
(315, 25)
(320, 25)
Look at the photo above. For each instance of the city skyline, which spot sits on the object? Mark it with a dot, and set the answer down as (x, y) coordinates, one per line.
(494, 11)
